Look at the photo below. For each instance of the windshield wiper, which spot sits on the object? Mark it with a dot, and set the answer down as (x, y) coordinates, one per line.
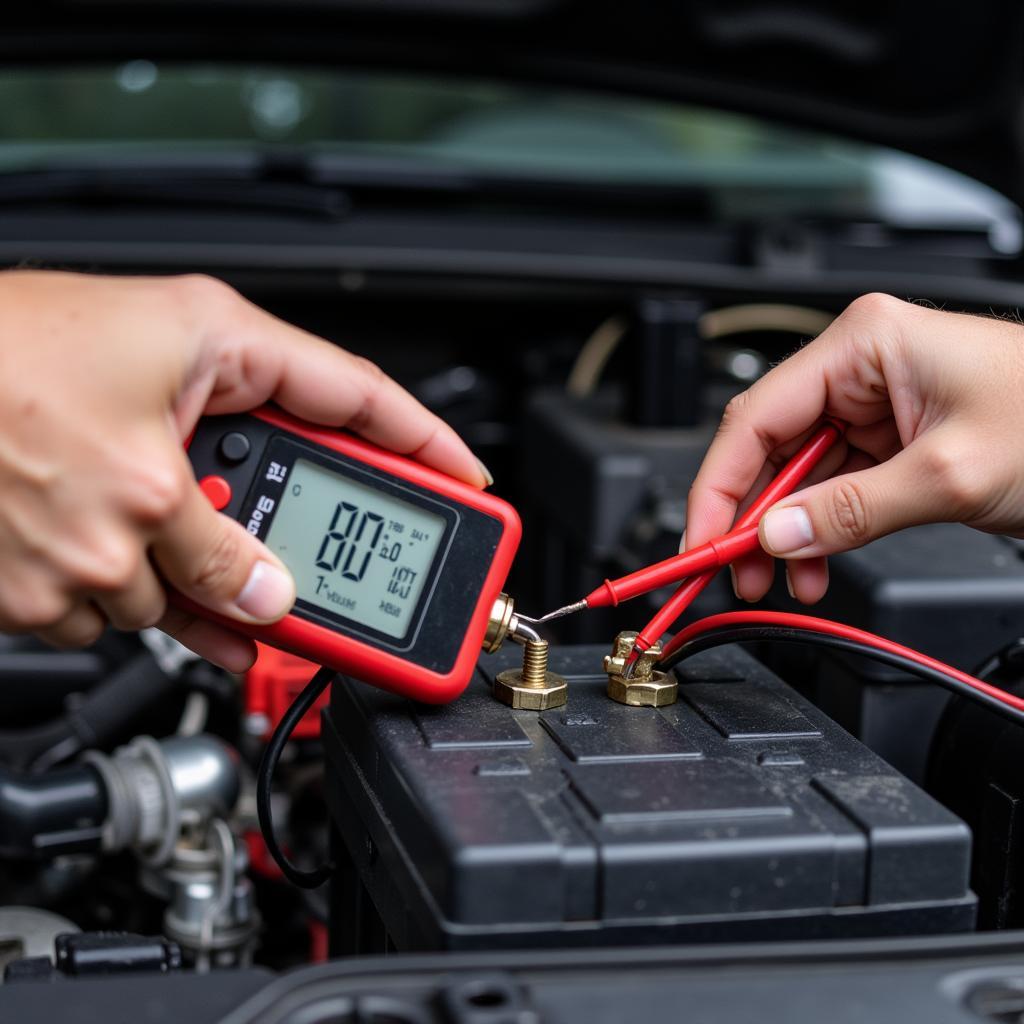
(180, 187)
(327, 186)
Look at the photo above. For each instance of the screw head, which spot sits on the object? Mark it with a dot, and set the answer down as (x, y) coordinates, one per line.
(510, 689)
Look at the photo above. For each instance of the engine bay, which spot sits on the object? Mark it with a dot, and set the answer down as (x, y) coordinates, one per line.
(739, 812)
(758, 804)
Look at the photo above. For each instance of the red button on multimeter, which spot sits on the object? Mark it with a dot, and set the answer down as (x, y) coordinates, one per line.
(396, 565)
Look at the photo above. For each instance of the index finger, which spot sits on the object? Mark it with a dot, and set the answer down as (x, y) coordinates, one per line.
(781, 406)
(252, 357)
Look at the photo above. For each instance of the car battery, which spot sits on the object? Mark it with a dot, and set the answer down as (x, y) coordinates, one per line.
(741, 812)
(949, 591)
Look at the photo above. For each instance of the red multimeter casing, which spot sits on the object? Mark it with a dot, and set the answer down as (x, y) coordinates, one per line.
(423, 638)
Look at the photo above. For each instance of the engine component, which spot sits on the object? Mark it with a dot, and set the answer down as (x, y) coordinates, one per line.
(974, 768)
(98, 717)
(646, 687)
(739, 813)
(28, 932)
(666, 363)
(139, 798)
(211, 909)
(89, 954)
(532, 686)
(155, 788)
(60, 811)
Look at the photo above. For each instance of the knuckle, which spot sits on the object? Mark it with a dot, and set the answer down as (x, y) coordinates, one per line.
(139, 617)
(369, 367)
(202, 290)
(954, 473)
(160, 489)
(736, 410)
(219, 565)
(848, 512)
(112, 564)
(81, 631)
(375, 379)
(875, 306)
(36, 609)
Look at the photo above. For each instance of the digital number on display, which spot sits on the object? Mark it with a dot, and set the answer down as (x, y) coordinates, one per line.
(353, 550)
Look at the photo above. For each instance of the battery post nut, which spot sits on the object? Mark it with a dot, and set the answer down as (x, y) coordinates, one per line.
(646, 687)
(532, 687)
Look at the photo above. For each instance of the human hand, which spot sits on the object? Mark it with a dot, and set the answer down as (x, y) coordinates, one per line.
(935, 403)
(102, 380)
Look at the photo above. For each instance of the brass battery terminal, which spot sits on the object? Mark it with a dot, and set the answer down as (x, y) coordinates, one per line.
(532, 687)
(645, 687)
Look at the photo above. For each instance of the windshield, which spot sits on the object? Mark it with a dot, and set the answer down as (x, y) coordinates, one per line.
(750, 167)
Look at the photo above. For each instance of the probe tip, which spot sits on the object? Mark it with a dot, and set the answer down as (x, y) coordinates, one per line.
(569, 609)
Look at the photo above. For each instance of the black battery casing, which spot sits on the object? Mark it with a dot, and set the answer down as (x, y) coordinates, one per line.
(739, 813)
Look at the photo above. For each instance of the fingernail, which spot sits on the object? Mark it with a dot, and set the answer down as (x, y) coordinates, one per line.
(486, 472)
(268, 593)
(682, 543)
(789, 584)
(787, 530)
(735, 583)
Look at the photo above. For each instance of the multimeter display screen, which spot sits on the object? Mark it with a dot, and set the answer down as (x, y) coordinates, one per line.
(353, 550)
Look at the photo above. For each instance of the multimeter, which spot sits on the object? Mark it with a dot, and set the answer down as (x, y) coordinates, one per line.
(397, 567)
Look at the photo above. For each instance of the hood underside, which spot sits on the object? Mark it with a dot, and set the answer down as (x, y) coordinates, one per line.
(942, 80)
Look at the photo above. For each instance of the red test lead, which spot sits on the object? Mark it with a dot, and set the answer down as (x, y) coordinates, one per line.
(713, 555)
(788, 479)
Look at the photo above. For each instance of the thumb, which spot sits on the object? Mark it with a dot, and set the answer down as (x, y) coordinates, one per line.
(850, 510)
(218, 564)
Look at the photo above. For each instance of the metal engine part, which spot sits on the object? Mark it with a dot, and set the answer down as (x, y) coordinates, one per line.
(29, 932)
(211, 908)
(156, 788)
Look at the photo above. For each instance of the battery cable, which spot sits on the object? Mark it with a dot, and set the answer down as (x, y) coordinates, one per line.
(788, 627)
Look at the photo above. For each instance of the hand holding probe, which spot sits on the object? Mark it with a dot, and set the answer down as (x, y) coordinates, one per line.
(698, 565)
(787, 480)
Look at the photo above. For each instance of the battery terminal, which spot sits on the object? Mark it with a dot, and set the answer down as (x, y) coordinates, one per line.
(644, 686)
(533, 687)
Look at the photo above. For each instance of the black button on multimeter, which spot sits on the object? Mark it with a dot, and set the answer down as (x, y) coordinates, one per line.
(234, 447)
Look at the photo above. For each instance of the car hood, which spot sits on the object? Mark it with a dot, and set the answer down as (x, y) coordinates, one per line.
(943, 81)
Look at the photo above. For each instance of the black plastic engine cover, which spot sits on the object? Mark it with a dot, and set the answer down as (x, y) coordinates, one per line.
(740, 812)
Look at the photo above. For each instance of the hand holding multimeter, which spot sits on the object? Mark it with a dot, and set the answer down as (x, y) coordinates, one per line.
(397, 566)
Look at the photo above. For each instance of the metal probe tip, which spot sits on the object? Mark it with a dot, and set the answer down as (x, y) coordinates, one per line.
(558, 613)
